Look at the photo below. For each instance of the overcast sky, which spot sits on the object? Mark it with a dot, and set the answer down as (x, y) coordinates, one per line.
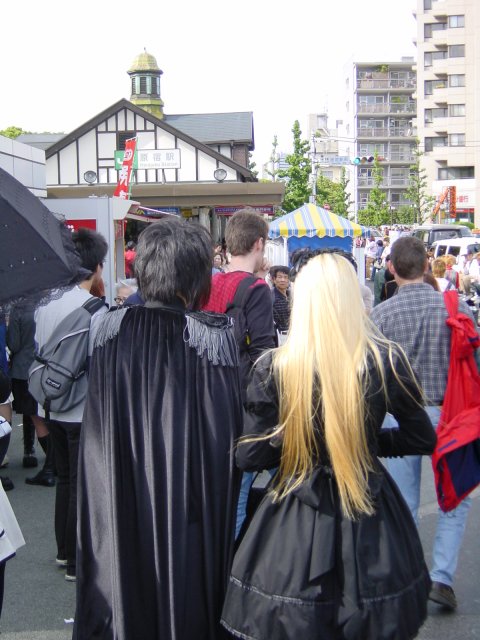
(62, 63)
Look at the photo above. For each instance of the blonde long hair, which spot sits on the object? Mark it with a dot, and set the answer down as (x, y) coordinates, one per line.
(321, 373)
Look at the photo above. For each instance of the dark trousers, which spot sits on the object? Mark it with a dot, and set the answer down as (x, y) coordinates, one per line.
(4, 442)
(65, 437)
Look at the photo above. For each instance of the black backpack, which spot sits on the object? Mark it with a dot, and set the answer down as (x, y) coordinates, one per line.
(235, 309)
(57, 377)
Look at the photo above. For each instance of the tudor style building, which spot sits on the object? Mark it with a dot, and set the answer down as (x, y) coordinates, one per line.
(196, 164)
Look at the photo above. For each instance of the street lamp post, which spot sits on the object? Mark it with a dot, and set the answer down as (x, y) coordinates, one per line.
(392, 209)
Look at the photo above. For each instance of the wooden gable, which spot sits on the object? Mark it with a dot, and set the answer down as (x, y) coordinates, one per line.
(92, 147)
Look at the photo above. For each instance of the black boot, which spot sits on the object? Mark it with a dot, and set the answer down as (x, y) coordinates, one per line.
(29, 458)
(45, 477)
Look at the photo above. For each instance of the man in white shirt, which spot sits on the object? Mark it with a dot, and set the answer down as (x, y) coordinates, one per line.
(370, 255)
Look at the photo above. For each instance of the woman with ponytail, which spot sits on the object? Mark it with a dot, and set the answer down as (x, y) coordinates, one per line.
(332, 551)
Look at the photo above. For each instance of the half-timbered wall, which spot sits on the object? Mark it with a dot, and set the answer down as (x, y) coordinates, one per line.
(95, 149)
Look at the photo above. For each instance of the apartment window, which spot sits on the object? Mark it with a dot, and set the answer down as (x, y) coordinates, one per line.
(431, 85)
(433, 26)
(326, 174)
(456, 173)
(430, 56)
(371, 149)
(430, 114)
(455, 22)
(371, 124)
(432, 143)
(456, 140)
(456, 110)
(371, 100)
(456, 80)
(456, 51)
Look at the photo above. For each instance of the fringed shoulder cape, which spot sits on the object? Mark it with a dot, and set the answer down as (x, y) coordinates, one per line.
(157, 479)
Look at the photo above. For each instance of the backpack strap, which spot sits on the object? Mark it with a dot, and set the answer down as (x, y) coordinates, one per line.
(93, 304)
(241, 292)
(239, 298)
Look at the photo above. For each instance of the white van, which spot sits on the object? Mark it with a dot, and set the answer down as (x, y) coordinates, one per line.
(456, 247)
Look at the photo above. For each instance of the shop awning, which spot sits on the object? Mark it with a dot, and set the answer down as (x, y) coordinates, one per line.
(311, 220)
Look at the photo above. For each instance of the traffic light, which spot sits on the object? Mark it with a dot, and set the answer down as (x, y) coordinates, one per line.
(363, 160)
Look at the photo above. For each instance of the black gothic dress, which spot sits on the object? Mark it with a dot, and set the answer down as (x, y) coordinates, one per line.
(158, 484)
(303, 570)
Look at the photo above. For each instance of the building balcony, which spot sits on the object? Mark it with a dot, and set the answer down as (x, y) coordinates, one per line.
(387, 84)
(440, 38)
(402, 158)
(385, 132)
(441, 95)
(386, 108)
(368, 183)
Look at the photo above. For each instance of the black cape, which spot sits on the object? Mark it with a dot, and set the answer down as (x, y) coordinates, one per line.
(158, 484)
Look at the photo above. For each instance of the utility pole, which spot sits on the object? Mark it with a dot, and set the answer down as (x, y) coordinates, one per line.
(313, 195)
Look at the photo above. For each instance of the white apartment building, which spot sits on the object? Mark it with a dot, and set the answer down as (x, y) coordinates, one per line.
(379, 112)
(448, 94)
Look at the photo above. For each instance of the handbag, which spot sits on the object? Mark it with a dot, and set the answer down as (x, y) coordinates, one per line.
(378, 263)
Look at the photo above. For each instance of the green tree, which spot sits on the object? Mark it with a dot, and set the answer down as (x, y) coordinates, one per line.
(12, 132)
(377, 211)
(417, 191)
(271, 168)
(297, 188)
(334, 194)
(252, 165)
(405, 214)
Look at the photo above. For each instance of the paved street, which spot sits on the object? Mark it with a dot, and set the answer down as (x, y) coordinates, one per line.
(38, 600)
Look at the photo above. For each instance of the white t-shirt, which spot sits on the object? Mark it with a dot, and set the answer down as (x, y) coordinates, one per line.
(47, 318)
(371, 249)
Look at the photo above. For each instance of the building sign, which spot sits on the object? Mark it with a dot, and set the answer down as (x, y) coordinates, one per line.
(264, 210)
(152, 159)
(331, 159)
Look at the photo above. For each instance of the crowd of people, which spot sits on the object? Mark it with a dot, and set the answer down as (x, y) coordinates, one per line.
(213, 367)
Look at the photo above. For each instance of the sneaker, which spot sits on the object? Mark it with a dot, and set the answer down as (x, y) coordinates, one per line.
(62, 562)
(71, 575)
(444, 595)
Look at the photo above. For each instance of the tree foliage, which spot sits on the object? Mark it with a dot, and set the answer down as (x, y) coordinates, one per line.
(377, 212)
(335, 194)
(405, 214)
(417, 192)
(12, 132)
(297, 187)
(271, 168)
(252, 165)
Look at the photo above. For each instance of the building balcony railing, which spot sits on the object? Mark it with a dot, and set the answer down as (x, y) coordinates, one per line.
(385, 132)
(396, 205)
(386, 84)
(387, 182)
(401, 157)
(387, 108)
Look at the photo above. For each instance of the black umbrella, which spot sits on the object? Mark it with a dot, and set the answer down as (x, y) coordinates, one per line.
(37, 253)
